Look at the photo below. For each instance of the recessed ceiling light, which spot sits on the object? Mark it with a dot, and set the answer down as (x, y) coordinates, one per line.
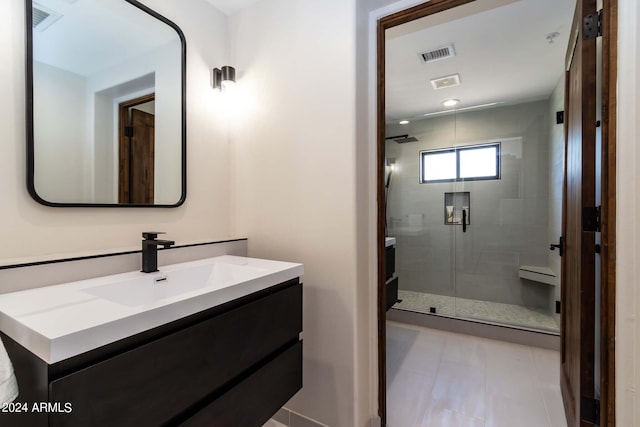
(404, 122)
(451, 102)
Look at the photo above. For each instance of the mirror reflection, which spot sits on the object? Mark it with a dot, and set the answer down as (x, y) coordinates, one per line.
(107, 105)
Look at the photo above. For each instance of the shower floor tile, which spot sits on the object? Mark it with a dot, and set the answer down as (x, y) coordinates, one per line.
(470, 381)
(509, 314)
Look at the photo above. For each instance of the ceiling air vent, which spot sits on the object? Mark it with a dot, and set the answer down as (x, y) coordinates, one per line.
(39, 15)
(438, 53)
(43, 17)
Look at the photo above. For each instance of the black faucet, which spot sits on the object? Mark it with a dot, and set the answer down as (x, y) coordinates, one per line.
(150, 250)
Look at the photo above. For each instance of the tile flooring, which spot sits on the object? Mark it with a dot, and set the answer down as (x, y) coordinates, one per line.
(285, 418)
(509, 314)
(442, 379)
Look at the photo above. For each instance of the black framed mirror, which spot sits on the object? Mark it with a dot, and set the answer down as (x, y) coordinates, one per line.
(105, 105)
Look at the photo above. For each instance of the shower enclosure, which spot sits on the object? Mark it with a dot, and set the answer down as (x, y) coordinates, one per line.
(474, 202)
(474, 101)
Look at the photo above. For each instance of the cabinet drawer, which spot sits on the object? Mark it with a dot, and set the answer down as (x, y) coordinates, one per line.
(390, 262)
(258, 397)
(153, 383)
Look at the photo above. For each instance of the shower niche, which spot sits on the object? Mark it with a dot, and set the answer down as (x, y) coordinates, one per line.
(456, 208)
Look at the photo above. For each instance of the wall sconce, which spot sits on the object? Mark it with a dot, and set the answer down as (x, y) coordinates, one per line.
(391, 164)
(224, 77)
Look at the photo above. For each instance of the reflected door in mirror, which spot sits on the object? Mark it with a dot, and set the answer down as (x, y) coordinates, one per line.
(137, 151)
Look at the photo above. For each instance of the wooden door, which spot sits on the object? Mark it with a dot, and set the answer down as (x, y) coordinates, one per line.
(141, 164)
(136, 151)
(578, 264)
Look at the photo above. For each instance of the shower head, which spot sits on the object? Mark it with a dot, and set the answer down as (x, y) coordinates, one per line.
(401, 139)
(406, 139)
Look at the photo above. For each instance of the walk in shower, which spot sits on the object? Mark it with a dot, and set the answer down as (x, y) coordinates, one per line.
(474, 192)
(471, 204)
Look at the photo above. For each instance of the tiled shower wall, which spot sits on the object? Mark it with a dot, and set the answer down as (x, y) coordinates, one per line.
(509, 216)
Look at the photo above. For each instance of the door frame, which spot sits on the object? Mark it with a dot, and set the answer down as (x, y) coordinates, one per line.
(608, 212)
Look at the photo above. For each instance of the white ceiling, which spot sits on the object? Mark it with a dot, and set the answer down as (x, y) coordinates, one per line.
(229, 7)
(93, 35)
(502, 55)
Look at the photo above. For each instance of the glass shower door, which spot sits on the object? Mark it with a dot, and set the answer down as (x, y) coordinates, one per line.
(416, 216)
(503, 185)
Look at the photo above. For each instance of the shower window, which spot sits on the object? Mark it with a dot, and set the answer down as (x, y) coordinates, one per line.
(438, 166)
(472, 162)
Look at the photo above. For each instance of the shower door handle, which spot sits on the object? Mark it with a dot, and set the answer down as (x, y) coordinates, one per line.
(553, 247)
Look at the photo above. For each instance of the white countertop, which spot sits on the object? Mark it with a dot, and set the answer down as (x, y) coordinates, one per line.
(62, 321)
(389, 241)
(408, 230)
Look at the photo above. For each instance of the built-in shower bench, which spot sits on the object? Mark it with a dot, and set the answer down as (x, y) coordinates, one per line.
(538, 274)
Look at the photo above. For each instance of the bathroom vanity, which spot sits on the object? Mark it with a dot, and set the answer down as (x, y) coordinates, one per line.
(154, 349)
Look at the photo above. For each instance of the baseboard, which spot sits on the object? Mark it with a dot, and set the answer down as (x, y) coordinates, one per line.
(514, 335)
(375, 422)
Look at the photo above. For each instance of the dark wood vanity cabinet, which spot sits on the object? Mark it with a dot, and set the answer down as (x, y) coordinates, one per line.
(233, 365)
(389, 261)
(390, 276)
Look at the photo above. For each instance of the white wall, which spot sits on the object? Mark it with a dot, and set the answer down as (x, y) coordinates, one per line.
(627, 226)
(366, 355)
(59, 138)
(28, 229)
(296, 190)
(294, 196)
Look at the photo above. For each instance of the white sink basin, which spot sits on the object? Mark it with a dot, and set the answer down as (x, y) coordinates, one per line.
(62, 321)
(160, 286)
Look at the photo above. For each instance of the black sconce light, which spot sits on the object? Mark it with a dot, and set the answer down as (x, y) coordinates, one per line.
(223, 77)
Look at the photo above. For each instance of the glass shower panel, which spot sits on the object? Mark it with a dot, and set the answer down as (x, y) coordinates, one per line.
(416, 214)
(507, 180)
